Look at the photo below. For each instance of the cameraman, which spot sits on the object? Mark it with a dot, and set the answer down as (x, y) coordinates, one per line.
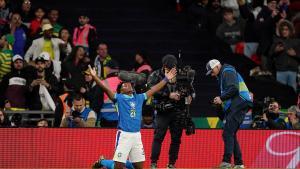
(271, 117)
(170, 108)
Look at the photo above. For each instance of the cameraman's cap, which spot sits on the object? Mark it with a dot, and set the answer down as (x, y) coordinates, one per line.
(45, 55)
(210, 65)
(169, 61)
(17, 57)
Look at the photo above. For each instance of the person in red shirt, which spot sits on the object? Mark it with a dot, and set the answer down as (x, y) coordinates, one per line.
(35, 24)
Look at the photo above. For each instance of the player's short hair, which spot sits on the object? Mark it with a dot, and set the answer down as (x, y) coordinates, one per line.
(119, 87)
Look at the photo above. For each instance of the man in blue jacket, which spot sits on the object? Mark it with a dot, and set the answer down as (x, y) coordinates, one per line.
(235, 101)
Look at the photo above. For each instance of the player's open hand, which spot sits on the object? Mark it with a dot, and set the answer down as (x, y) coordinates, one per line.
(171, 74)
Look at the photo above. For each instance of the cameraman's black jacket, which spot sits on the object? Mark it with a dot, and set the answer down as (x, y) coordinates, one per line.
(162, 97)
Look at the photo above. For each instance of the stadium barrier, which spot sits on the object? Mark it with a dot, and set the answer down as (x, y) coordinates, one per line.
(79, 148)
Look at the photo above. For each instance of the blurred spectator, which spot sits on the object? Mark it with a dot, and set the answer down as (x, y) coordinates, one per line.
(108, 113)
(26, 12)
(215, 15)
(80, 115)
(44, 22)
(42, 123)
(73, 67)
(16, 120)
(296, 22)
(65, 35)
(49, 68)
(142, 64)
(49, 44)
(286, 52)
(101, 60)
(249, 12)
(283, 6)
(265, 28)
(85, 34)
(92, 93)
(43, 88)
(35, 24)
(19, 32)
(30, 68)
(231, 31)
(4, 121)
(6, 43)
(5, 57)
(53, 16)
(198, 13)
(271, 117)
(293, 117)
(4, 14)
(40, 32)
(13, 86)
(63, 106)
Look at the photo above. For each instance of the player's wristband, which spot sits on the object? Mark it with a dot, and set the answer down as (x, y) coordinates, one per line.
(166, 79)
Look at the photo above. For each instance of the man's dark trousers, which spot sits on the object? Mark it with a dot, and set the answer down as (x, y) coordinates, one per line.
(164, 121)
(231, 145)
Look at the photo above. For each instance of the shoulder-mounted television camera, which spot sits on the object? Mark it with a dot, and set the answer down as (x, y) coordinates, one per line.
(133, 77)
(184, 81)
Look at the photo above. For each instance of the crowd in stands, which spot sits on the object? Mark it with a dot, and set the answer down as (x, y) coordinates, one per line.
(267, 32)
(43, 63)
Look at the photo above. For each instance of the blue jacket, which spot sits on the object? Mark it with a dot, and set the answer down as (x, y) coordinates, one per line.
(234, 92)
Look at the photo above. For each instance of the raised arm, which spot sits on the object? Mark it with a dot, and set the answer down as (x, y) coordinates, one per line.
(161, 84)
(109, 93)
